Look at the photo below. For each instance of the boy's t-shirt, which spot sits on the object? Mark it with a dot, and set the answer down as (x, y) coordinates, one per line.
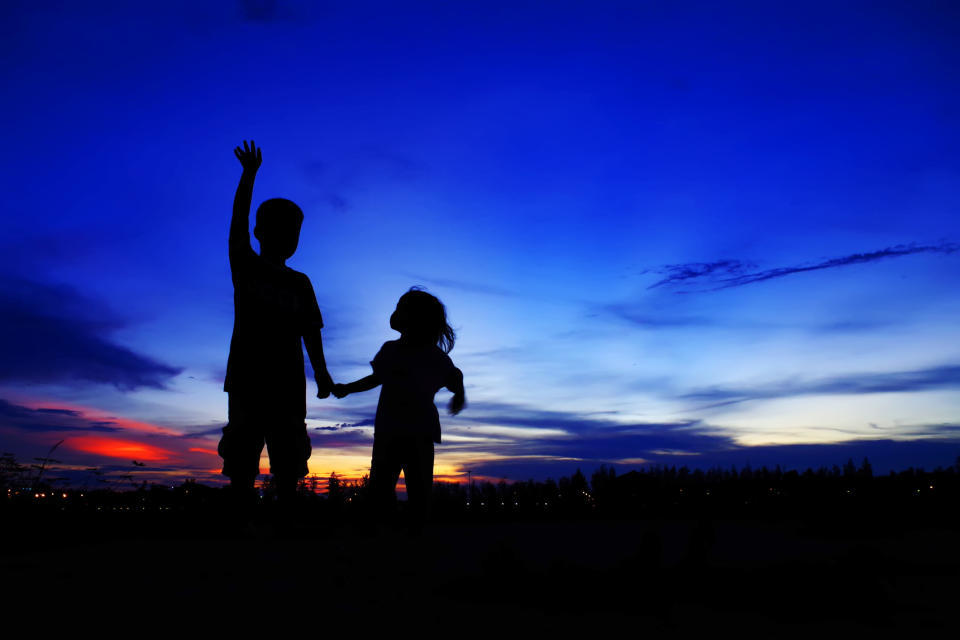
(273, 307)
(410, 376)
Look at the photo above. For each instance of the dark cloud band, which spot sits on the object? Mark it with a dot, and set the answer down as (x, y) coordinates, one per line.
(53, 334)
(934, 378)
(15, 416)
(726, 274)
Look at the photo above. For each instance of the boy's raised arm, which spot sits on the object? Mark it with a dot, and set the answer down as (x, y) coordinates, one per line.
(250, 159)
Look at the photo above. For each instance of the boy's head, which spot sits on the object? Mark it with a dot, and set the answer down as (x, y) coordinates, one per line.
(278, 227)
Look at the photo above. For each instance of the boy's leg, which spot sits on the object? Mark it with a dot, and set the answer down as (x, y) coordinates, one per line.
(289, 448)
(240, 448)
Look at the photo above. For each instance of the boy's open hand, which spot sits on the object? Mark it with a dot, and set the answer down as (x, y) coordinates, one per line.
(249, 156)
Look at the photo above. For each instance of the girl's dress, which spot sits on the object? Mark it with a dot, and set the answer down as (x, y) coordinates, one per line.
(407, 422)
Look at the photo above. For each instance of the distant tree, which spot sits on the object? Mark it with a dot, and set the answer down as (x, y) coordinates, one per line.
(601, 481)
(43, 463)
(335, 489)
(849, 469)
(11, 471)
(578, 482)
(357, 490)
(303, 488)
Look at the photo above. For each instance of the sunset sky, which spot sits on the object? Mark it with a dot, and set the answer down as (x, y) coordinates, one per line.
(667, 233)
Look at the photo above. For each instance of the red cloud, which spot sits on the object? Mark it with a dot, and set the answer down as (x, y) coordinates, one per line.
(118, 448)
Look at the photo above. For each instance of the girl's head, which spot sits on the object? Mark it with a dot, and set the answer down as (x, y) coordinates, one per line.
(420, 317)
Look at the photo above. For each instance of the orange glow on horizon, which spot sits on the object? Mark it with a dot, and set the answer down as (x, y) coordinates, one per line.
(118, 448)
(350, 463)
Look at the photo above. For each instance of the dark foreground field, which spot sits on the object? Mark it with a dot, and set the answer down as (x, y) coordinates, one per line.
(554, 577)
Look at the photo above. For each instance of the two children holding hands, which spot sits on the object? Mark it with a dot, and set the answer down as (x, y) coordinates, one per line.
(274, 310)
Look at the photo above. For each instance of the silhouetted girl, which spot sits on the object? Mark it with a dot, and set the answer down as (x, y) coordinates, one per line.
(411, 370)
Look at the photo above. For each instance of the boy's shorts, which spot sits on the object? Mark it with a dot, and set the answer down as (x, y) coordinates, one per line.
(250, 425)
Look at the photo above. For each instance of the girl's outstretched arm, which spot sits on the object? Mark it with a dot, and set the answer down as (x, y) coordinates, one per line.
(363, 384)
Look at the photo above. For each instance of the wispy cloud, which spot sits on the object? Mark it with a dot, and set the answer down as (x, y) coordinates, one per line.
(323, 439)
(884, 455)
(19, 417)
(536, 433)
(344, 416)
(554, 443)
(465, 286)
(203, 430)
(700, 271)
(934, 378)
(89, 438)
(643, 318)
(53, 334)
(639, 315)
(726, 274)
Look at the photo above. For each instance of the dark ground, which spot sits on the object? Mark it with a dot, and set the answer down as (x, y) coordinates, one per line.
(554, 577)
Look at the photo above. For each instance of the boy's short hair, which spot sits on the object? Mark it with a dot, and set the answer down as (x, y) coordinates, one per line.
(278, 226)
(279, 212)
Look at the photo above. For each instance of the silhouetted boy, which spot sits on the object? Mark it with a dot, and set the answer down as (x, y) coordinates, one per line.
(274, 308)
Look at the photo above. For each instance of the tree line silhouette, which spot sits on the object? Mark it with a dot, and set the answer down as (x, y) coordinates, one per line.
(652, 491)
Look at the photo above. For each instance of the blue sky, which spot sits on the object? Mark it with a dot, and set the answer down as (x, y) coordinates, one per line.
(672, 233)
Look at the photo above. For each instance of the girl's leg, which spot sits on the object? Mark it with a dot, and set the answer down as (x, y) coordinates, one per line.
(385, 469)
(418, 476)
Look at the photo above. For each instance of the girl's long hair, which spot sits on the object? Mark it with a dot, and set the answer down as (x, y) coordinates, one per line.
(422, 317)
